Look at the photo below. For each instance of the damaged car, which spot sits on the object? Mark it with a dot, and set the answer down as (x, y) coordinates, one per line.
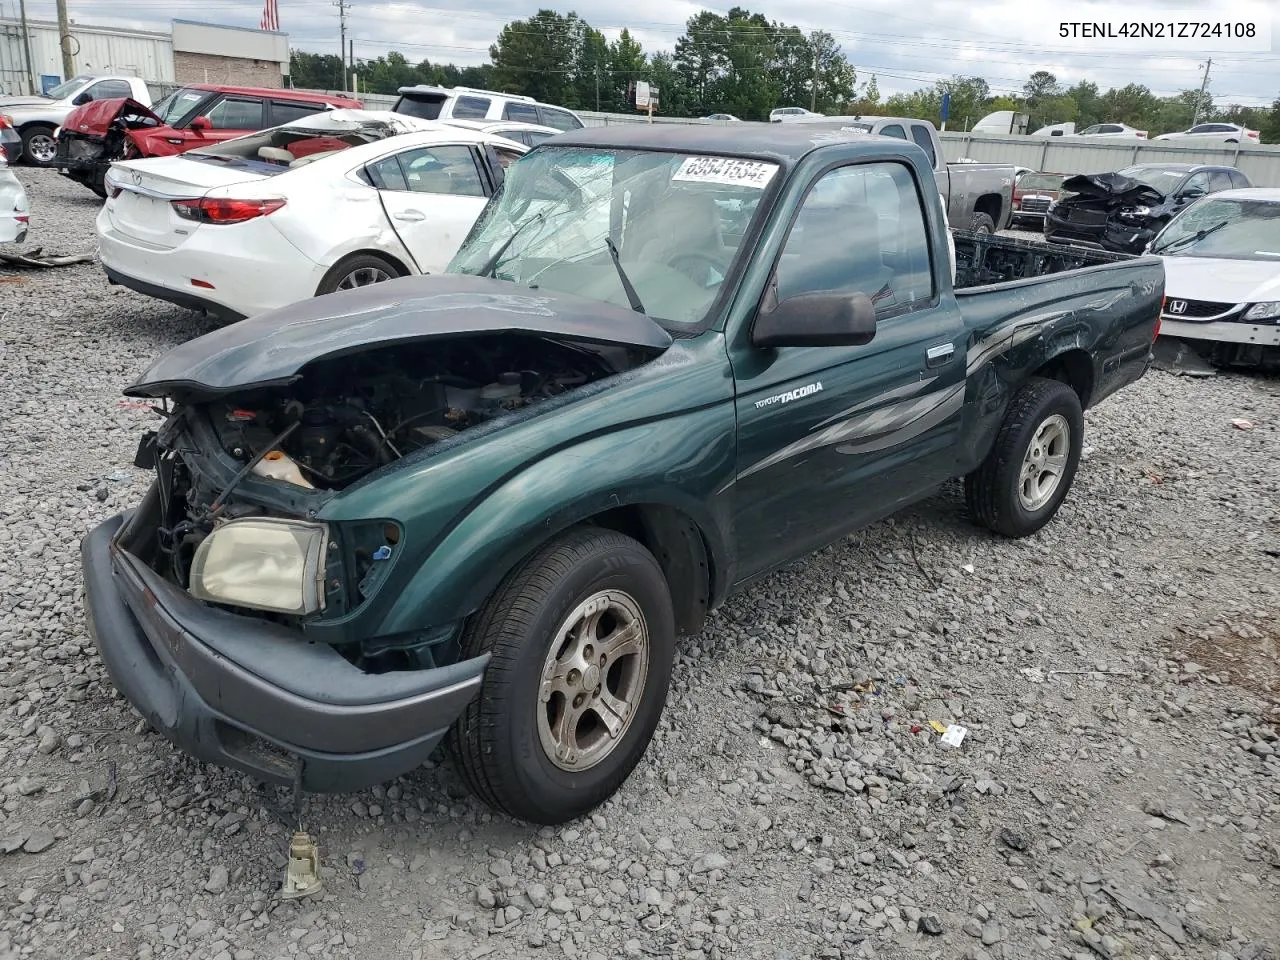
(1222, 267)
(97, 134)
(340, 199)
(1123, 211)
(480, 506)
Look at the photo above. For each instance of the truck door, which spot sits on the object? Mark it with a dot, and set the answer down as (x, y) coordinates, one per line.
(832, 438)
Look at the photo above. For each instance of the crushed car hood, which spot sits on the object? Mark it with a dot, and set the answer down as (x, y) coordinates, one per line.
(95, 118)
(1111, 186)
(272, 348)
(382, 122)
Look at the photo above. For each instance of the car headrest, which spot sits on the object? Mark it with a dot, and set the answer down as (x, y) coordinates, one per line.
(275, 155)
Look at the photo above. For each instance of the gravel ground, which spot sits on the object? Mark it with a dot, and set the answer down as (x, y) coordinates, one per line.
(1117, 793)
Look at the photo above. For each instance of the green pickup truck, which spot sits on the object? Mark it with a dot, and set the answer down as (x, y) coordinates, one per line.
(482, 505)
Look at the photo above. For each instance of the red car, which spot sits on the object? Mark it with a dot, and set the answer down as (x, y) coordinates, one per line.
(102, 131)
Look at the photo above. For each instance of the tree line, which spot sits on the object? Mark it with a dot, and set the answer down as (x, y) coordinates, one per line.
(744, 64)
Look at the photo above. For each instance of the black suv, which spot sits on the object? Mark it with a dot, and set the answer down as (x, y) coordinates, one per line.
(1123, 211)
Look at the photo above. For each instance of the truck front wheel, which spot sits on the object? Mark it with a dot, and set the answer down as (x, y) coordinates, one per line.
(1024, 479)
(581, 640)
(39, 148)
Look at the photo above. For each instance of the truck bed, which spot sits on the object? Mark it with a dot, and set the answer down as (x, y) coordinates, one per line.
(983, 259)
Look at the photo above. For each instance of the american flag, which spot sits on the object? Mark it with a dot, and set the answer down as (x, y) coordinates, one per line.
(270, 16)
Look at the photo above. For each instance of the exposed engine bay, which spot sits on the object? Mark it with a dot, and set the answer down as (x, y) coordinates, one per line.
(341, 420)
(349, 416)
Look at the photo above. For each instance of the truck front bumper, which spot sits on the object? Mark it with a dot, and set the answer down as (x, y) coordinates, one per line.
(254, 696)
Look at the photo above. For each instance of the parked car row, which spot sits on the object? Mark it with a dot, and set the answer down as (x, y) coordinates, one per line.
(1200, 133)
(1218, 237)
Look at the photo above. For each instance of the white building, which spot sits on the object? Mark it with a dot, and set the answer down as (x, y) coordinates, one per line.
(190, 52)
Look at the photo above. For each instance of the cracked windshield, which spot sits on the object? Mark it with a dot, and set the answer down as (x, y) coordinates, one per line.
(656, 232)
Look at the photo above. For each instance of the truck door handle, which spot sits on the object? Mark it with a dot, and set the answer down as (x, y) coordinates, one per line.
(937, 356)
(411, 216)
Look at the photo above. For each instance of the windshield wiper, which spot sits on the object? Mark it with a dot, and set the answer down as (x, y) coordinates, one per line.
(632, 297)
(1186, 241)
(492, 263)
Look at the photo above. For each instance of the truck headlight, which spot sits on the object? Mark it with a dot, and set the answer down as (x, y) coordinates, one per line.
(263, 563)
(1263, 311)
(1136, 212)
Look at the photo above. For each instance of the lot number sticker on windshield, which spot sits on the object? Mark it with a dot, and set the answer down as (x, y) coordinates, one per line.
(737, 173)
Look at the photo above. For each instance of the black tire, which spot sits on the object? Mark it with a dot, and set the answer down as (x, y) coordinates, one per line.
(352, 266)
(992, 492)
(496, 743)
(982, 223)
(36, 135)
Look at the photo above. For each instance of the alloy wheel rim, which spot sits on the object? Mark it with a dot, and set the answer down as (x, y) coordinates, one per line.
(592, 680)
(363, 277)
(1044, 463)
(42, 148)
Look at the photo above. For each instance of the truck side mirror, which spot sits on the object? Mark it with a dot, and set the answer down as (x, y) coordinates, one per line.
(199, 125)
(817, 320)
(81, 99)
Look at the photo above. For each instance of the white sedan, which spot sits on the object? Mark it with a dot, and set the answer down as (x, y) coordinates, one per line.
(1214, 133)
(1222, 273)
(1111, 130)
(15, 211)
(336, 200)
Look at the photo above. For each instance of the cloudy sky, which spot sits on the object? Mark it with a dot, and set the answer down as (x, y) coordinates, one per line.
(906, 45)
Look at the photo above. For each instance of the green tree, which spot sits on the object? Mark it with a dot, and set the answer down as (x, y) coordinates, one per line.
(1133, 104)
(1089, 106)
(627, 63)
(1041, 92)
(541, 57)
(674, 99)
(835, 76)
(315, 71)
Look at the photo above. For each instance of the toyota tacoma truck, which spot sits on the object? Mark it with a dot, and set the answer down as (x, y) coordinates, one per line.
(481, 505)
(37, 118)
(979, 196)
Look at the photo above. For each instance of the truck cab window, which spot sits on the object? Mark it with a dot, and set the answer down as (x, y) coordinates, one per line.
(924, 140)
(893, 130)
(860, 230)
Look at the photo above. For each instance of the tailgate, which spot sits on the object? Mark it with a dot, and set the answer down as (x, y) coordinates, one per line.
(143, 210)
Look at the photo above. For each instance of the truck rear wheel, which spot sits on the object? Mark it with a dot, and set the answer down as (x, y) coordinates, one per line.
(1024, 479)
(982, 223)
(581, 640)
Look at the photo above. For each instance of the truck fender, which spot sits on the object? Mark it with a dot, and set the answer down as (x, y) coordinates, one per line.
(648, 466)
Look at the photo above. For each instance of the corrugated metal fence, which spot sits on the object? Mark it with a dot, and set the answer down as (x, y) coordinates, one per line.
(135, 53)
(1057, 154)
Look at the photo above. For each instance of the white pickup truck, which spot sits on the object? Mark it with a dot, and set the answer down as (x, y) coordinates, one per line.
(36, 118)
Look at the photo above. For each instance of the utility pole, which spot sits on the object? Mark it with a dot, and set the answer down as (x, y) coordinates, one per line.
(597, 88)
(351, 48)
(813, 84)
(64, 41)
(342, 42)
(26, 46)
(1195, 118)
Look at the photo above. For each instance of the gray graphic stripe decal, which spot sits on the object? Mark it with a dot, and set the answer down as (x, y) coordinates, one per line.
(889, 421)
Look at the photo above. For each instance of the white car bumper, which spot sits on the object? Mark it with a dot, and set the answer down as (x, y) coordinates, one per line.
(1224, 331)
(232, 271)
(13, 230)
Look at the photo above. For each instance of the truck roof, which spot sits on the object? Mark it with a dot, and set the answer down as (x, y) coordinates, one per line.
(786, 143)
